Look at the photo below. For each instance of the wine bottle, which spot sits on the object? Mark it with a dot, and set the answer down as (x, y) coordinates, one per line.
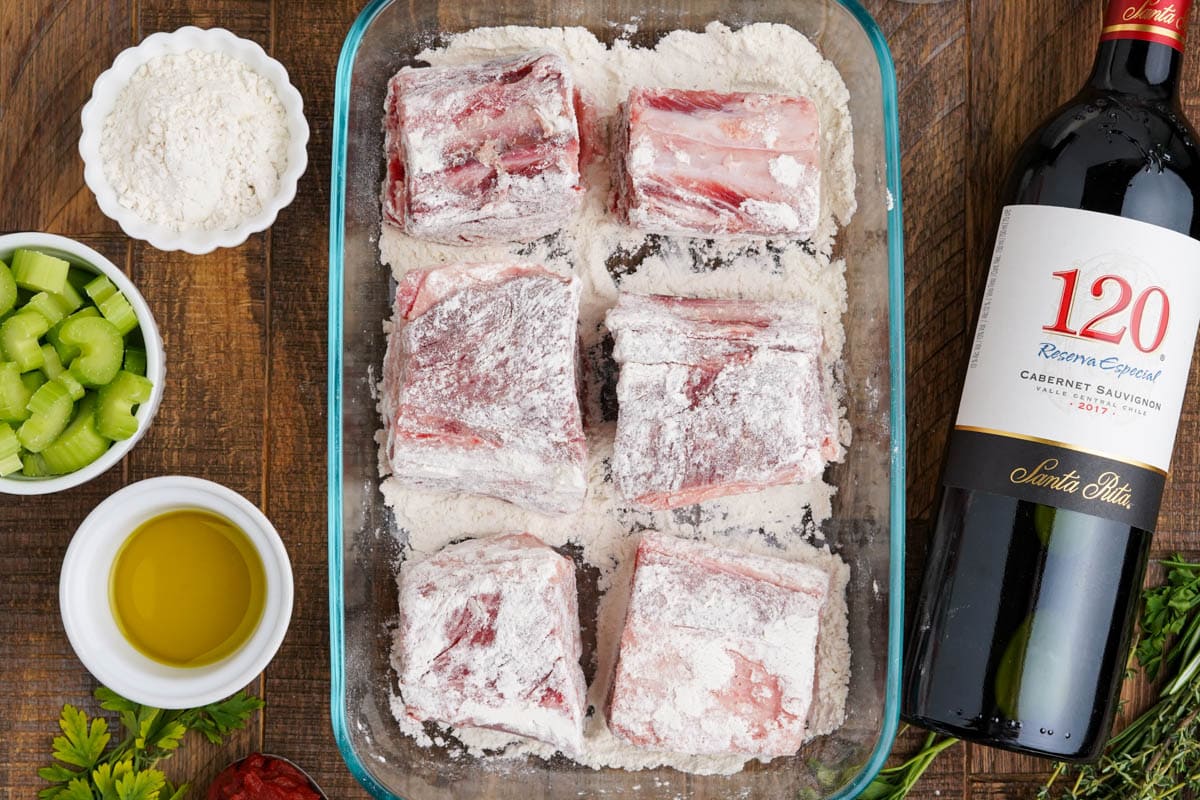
(1057, 461)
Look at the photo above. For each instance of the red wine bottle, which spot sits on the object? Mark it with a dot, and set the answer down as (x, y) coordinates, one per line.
(1060, 450)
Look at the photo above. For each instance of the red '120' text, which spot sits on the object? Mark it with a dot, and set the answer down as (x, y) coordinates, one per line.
(1126, 316)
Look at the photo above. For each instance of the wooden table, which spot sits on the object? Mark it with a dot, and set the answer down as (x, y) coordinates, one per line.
(245, 329)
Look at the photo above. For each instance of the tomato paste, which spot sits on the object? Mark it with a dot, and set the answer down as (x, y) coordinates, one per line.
(260, 777)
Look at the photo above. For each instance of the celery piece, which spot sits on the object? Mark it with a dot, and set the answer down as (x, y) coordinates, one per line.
(101, 349)
(114, 414)
(14, 397)
(33, 380)
(99, 288)
(50, 410)
(71, 384)
(116, 309)
(135, 359)
(52, 365)
(39, 272)
(9, 464)
(70, 297)
(54, 307)
(66, 353)
(79, 444)
(34, 466)
(9, 444)
(8, 289)
(19, 336)
(10, 450)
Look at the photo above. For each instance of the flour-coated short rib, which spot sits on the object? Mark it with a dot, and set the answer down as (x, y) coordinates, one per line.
(489, 638)
(718, 653)
(479, 385)
(718, 164)
(482, 152)
(717, 397)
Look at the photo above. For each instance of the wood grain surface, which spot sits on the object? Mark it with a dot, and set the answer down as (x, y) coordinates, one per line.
(245, 335)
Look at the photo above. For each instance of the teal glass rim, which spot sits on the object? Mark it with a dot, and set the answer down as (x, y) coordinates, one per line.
(897, 516)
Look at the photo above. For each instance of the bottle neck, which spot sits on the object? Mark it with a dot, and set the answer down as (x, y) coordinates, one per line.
(1141, 48)
(1136, 67)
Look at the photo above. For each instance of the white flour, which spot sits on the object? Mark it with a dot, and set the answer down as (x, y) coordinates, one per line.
(195, 141)
(608, 257)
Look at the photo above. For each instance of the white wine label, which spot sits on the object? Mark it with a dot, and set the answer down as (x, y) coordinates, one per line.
(1080, 362)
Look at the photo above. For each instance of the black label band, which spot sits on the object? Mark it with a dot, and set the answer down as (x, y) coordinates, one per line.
(1054, 474)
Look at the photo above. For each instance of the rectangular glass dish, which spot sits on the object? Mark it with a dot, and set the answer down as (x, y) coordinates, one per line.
(867, 526)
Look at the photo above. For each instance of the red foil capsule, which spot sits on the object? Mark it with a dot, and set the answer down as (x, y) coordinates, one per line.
(1158, 21)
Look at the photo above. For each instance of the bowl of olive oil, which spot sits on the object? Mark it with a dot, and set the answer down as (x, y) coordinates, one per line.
(176, 592)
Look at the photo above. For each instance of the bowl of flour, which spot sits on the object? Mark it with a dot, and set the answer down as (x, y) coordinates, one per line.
(194, 140)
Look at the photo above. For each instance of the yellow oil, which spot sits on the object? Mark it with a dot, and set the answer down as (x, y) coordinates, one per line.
(187, 588)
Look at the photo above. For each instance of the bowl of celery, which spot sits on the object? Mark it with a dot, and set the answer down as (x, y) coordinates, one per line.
(81, 364)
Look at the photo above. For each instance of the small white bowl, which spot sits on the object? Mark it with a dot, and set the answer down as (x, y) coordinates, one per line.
(83, 595)
(84, 257)
(104, 96)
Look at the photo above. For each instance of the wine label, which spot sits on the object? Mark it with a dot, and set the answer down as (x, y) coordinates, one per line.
(1159, 21)
(1080, 362)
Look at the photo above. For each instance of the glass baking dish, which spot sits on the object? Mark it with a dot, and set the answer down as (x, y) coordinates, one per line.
(867, 527)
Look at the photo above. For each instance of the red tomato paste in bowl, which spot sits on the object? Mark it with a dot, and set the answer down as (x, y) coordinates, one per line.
(261, 777)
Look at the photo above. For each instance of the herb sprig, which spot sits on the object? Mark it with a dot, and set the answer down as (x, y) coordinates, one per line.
(894, 783)
(88, 769)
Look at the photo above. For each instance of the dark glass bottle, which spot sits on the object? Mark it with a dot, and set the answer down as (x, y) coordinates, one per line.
(1023, 623)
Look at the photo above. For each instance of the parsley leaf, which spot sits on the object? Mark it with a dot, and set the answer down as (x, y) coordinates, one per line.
(80, 745)
(91, 770)
(218, 720)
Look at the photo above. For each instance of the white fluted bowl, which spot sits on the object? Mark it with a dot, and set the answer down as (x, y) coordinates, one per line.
(107, 89)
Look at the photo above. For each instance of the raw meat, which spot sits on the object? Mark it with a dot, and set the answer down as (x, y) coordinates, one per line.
(717, 397)
(489, 638)
(479, 385)
(719, 164)
(718, 654)
(482, 153)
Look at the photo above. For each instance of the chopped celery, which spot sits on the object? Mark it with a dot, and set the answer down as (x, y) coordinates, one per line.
(135, 359)
(33, 380)
(50, 410)
(71, 384)
(80, 444)
(9, 445)
(8, 289)
(66, 353)
(116, 309)
(34, 466)
(19, 336)
(14, 397)
(10, 450)
(70, 297)
(39, 272)
(114, 415)
(101, 349)
(99, 288)
(9, 465)
(52, 365)
(54, 307)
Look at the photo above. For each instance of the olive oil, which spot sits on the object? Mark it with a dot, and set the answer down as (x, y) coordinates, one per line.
(187, 588)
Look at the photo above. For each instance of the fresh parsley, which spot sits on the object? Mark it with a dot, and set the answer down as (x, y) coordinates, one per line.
(88, 768)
